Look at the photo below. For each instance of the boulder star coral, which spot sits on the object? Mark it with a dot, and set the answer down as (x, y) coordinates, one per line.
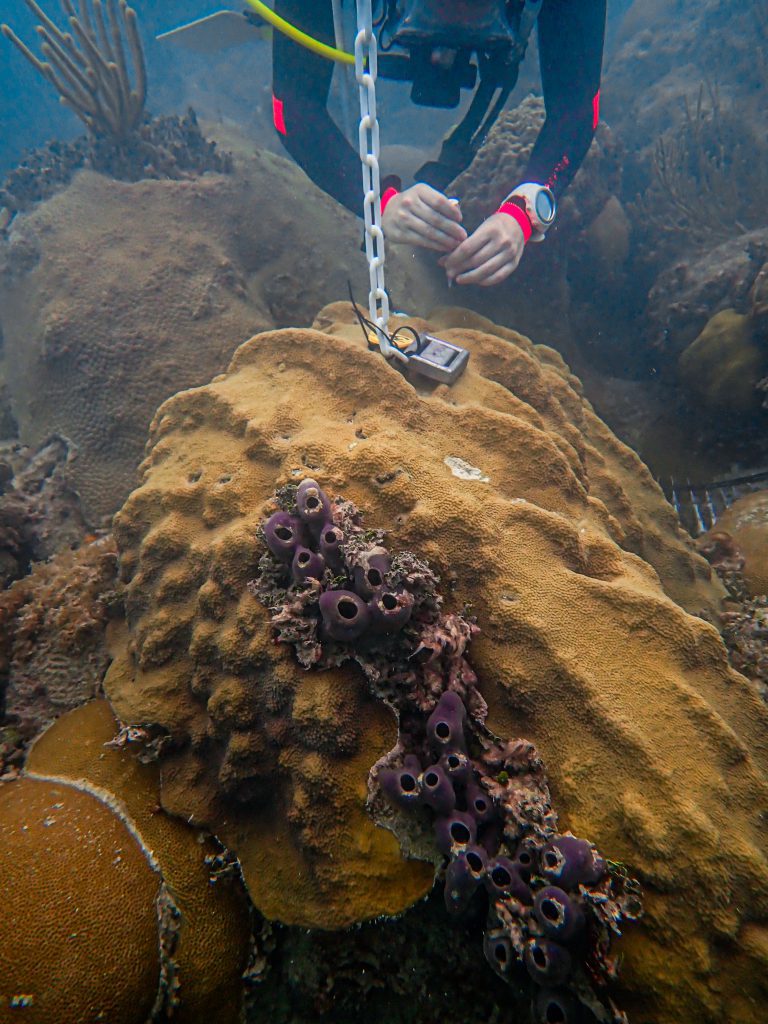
(582, 585)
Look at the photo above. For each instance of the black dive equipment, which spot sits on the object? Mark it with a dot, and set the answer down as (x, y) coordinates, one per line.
(473, 24)
(441, 37)
(448, 45)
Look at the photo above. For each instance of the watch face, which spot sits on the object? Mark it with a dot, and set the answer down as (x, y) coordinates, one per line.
(545, 206)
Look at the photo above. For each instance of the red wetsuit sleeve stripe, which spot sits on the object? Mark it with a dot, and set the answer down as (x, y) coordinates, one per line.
(278, 115)
(520, 216)
(389, 194)
(571, 34)
(302, 81)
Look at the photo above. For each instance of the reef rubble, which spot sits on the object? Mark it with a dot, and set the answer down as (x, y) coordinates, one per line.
(40, 513)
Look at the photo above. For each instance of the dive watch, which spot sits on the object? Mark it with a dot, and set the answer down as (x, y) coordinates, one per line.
(536, 203)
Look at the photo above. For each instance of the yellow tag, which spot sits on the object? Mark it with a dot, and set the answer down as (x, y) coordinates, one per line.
(401, 343)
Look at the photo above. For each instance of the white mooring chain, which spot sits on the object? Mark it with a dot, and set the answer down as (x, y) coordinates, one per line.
(432, 357)
(368, 138)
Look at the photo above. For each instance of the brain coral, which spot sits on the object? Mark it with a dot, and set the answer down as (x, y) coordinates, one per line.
(556, 535)
(73, 950)
(87, 854)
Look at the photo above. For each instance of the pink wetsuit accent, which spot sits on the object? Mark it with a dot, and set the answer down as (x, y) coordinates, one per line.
(512, 210)
(389, 194)
(278, 117)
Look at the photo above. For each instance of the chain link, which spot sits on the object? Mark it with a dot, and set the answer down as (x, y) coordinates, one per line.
(366, 67)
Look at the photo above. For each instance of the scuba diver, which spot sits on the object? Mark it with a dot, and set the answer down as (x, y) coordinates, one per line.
(441, 47)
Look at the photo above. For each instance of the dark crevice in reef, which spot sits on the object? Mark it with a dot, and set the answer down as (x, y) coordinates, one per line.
(420, 968)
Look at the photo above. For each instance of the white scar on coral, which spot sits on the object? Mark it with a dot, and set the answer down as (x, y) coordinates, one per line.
(464, 471)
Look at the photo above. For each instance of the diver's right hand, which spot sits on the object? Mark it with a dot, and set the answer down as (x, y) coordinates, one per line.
(425, 217)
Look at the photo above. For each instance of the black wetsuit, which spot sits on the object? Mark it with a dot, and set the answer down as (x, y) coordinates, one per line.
(570, 56)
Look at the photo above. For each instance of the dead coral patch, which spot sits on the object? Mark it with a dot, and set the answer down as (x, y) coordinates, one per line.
(53, 652)
(39, 512)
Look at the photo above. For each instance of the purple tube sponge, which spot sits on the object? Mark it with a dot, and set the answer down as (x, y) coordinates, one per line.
(559, 914)
(498, 951)
(331, 539)
(547, 962)
(476, 859)
(526, 861)
(437, 791)
(568, 862)
(401, 785)
(390, 610)
(345, 616)
(479, 804)
(462, 877)
(307, 565)
(502, 880)
(554, 1007)
(369, 578)
(283, 534)
(455, 831)
(445, 726)
(313, 506)
(456, 766)
(491, 837)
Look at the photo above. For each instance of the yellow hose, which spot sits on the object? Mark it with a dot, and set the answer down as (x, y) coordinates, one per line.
(322, 49)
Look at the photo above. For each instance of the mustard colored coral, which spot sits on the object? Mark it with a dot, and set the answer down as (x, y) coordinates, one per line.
(117, 893)
(582, 584)
(277, 766)
(78, 931)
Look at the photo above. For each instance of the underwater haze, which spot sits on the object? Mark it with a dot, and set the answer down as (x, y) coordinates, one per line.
(384, 539)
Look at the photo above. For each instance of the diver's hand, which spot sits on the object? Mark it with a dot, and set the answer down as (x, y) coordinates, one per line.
(489, 255)
(425, 217)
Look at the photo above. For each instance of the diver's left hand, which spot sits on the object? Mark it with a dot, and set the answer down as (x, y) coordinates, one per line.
(489, 255)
